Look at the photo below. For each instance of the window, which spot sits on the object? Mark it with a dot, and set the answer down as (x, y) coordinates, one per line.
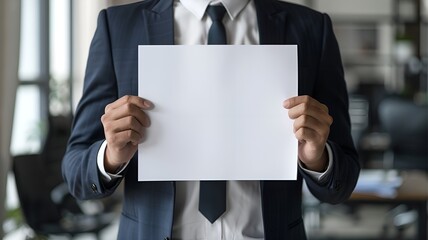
(44, 71)
(60, 57)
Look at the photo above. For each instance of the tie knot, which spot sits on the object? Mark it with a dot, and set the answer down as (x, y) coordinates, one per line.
(216, 13)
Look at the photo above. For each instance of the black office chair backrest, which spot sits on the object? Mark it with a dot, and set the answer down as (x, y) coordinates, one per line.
(48, 208)
(36, 175)
(34, 196)
(407, 125)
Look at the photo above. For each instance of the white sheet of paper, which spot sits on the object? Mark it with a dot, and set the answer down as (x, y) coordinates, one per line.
(218, 112)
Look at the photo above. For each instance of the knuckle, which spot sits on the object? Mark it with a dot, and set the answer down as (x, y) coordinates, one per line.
(129, 120)
(127, 98)
(330, 120)
(128, 107)
(107, 108)
(306, 98)
(129, 134)
(305, 119)
(299, 134)
(107, 127)
(325, 108)
(295, 126)
(103, 119)
(304, 107)
(303, 131)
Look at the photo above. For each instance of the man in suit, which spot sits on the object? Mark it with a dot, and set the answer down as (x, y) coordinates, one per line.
(110, 121)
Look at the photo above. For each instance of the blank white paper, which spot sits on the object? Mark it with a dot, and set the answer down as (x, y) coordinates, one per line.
(218, 112)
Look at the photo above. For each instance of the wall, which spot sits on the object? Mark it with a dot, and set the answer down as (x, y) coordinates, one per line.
(9, 40)
(84, 24)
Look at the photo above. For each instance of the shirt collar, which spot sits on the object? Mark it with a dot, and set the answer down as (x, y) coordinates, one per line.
(198, 7)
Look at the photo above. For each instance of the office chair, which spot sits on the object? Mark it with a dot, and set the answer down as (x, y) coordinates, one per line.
(407, 125)
(46, 204)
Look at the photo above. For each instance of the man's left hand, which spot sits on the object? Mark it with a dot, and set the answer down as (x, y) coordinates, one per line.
(311, 127)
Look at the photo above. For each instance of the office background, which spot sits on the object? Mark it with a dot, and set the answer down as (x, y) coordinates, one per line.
(43, 50)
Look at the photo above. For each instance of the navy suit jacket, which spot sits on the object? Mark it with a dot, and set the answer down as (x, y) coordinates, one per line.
(112, 73)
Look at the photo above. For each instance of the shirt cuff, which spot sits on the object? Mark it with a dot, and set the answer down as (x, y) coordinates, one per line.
(107, 177)
(321, 176)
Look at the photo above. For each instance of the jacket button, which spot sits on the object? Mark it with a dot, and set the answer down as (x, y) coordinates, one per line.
(94, 188)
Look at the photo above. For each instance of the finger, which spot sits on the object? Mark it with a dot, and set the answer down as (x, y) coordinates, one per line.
(127, 110)
(121, 139)
(305, 100)
(306, 110)
(307, 135)
(320, 128)
(128, 99)
(306, 105)
(123, 124)
(294, 101)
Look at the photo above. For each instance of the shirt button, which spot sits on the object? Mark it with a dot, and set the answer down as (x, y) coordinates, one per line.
(94, 188)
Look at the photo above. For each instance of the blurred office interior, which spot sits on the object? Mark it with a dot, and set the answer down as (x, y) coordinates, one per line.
(384, 46)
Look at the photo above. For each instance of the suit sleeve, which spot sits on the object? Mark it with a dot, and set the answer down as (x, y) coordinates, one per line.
(330, 89)
(79, 166)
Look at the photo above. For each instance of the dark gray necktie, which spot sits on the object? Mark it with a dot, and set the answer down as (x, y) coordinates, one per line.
(212, 196)
(217, 33)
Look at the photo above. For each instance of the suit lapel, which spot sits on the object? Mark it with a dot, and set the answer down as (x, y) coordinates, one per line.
(158, 24)
(271, 21)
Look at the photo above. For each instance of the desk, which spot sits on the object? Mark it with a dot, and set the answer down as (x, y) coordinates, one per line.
(412, 192)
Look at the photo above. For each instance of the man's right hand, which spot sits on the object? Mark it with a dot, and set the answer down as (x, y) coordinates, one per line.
(124, 123)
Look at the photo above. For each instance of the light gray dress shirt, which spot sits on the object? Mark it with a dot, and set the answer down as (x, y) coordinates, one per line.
(243, 217)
